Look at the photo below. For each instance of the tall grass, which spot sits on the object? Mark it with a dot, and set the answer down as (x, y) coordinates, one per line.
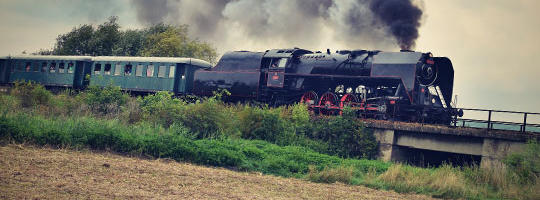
(285, 141)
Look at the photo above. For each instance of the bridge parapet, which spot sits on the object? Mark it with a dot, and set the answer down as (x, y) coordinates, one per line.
(452, 130)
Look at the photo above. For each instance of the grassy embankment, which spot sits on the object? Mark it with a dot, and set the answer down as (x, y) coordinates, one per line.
(283, 141)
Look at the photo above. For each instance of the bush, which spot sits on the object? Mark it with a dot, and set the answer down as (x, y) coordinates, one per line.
(209, 119)
(525, 165)
(265, 124)
(346, 136)
(161, 108)
(31, 94)
(105, 100)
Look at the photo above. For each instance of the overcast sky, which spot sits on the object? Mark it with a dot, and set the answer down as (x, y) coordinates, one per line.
(493, 44)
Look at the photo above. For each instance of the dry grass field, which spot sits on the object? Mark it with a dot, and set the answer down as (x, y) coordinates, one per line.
(28, 172)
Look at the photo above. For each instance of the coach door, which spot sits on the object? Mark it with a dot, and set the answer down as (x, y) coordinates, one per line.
(276, 72)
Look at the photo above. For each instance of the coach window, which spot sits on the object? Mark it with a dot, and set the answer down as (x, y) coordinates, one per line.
(127, 71)
(150, 71)
(107, 69)
(161, 71)
(61, 67)
(43, 67)
(52, 67)
(28, 66)
(97, 68)
(171, 71)
(36, 67)
(70, 68)
(139, 70)
(118, 70)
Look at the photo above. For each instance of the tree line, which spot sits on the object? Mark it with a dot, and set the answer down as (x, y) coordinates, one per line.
(106, 39)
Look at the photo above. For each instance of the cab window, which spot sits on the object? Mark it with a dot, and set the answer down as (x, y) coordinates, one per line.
(43, 67)
(279, 62)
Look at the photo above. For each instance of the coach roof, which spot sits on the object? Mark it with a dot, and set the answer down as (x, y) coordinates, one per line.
(45, 57)
(192, 61)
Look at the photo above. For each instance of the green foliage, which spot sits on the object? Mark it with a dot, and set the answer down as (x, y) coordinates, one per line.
(31, 94)
(264, 124)
(106, 99)
(346, 136)
(174, 143)
(161, 108)
(107, 39)
(525, 165)
(209, 119)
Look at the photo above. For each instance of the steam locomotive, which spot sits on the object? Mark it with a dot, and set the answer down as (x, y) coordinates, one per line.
(404, 86)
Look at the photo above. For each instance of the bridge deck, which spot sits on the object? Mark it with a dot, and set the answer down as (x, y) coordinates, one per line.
(451, 130)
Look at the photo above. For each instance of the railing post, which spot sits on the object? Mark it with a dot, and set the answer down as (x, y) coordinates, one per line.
(489, 120)
(524, 121)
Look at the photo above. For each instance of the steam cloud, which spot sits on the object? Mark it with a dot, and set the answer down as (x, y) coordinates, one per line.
(264, 24)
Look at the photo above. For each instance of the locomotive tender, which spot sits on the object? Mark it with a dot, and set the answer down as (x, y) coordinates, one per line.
(404, 86)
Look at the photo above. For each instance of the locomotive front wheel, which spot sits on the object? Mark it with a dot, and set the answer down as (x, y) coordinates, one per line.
(328, 103)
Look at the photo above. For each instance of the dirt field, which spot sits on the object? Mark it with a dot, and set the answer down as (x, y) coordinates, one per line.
(41, 173)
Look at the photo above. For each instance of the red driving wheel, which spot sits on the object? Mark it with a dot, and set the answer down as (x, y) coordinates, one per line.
(347, 100)
(328, 103)
(309, 98)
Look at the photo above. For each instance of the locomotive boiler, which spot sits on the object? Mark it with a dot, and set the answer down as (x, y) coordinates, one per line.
(405, 86)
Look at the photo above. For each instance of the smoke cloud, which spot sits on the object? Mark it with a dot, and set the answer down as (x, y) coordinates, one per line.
(314, 24)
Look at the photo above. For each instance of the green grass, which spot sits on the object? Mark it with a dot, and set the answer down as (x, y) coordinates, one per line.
(284, 141)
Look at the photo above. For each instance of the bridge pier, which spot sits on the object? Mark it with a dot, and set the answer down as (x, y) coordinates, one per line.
(488, 151)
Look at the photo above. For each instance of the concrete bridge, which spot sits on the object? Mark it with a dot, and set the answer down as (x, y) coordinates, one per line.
(431, 144)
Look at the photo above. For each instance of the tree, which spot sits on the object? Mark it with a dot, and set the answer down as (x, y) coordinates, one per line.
(76, 42)
(107, 39)
(173, 41)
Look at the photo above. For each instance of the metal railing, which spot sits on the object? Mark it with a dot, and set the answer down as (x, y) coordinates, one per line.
(489, 122)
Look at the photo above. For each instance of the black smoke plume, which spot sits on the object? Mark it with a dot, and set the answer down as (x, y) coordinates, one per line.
(402, 18)
(237, 24)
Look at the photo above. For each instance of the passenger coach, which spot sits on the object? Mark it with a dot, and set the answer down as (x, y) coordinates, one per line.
(146, 74)
(138, 74)
(50, 71)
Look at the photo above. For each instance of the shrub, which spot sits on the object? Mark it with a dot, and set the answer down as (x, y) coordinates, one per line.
(209, 119)
(525, 165)
(346, 136)
(161, 108)
(105, 99)
(265, 124)
(31, 94)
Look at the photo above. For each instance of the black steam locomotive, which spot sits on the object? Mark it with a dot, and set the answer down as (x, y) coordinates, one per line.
(404, 86)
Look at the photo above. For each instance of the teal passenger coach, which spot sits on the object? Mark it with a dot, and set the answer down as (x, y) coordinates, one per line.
(139, 74)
